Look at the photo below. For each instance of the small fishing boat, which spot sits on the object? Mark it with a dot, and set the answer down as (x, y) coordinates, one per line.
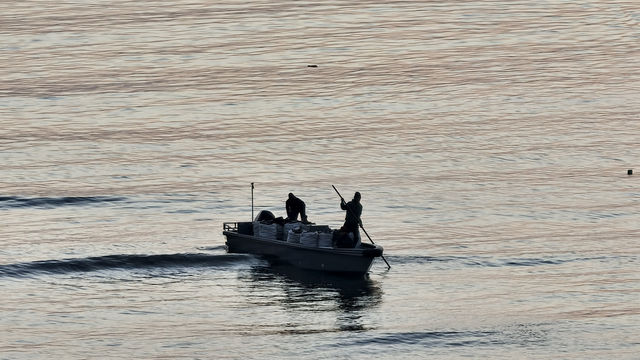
(246, 237)
(303, 245)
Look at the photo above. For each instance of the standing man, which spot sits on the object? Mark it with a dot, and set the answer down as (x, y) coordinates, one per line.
(352, 217)
(294, 207)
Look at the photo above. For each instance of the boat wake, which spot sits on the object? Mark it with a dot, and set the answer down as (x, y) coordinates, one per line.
(52, 202)
(486, 261)
(121, 262)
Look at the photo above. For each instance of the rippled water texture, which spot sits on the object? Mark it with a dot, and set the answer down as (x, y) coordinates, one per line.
(490, 141)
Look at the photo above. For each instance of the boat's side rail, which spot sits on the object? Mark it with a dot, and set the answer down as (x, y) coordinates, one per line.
(240, 227)
(230, 226)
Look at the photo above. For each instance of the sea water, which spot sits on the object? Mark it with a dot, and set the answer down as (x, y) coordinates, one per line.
(490, 141)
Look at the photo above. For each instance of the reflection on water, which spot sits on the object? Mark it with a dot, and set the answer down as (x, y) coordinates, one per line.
(295, 290)
(351, 293)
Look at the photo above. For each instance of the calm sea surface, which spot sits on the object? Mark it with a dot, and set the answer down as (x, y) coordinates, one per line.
(490, 141)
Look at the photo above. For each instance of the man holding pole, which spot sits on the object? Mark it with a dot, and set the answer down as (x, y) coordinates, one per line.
(356, 215)
(352, 217)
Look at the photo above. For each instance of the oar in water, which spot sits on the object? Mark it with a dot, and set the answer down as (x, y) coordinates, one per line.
(360, 223)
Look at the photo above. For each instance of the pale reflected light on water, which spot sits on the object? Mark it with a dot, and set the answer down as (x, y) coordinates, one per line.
(490, 141)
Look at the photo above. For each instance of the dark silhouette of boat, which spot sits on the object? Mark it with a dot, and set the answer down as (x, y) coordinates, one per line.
(352, 261)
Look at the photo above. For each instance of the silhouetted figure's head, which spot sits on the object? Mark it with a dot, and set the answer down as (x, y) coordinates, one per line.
(291, 196)
(356, 196)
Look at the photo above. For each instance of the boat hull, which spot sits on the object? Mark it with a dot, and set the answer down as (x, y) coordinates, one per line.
(336, 260)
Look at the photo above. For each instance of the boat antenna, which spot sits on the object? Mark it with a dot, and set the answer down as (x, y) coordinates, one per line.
(251, 201)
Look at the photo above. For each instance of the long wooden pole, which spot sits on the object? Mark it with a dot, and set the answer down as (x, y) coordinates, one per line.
(360, 223)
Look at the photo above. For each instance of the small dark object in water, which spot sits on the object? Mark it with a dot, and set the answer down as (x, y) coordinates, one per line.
(630, 172)
(312, 66)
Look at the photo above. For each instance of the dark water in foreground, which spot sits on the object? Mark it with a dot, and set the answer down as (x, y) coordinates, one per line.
(490, 141)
